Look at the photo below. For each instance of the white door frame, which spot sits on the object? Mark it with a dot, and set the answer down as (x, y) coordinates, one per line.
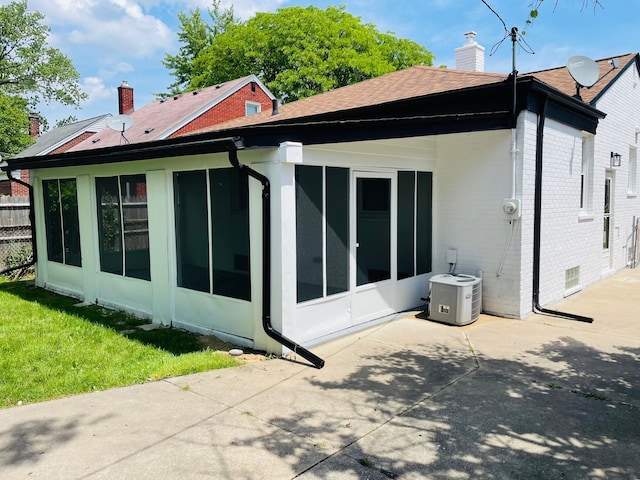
(372, 300)
(609, 201)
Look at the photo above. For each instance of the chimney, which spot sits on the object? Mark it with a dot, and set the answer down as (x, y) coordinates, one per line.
(125, 98)
(471, 55)
(34, 125)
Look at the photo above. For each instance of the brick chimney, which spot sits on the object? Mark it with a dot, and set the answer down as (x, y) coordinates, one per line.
(471, 55)
(125, 98)
(34, 125)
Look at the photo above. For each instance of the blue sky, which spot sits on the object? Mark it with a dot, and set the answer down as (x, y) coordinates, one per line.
(114, 40)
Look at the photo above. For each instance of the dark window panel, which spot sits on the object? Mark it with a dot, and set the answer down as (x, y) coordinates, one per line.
(135, 218)
(71, 222)
(406, 219)
(109, 225)
(309, 219)
(230, 231)
(53, 220)
(424, 222)
(337, 219)
(192, 230)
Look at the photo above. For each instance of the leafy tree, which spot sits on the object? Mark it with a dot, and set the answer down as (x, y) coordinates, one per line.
(14, 125)
(66, 121)
(195, 34)
(30, 69)
(296, 51)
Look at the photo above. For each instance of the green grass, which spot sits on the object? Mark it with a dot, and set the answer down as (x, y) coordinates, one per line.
(50, 348)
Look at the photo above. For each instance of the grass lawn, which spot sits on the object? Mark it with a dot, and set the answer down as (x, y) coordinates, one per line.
(50, 348)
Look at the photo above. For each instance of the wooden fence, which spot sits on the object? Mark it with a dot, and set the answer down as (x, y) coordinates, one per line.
(15, 230)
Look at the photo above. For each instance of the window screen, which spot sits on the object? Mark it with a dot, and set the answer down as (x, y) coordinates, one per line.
(192, 230)
(309, 225)
(61, 221)
(212, 231)
(337, 230)
(123, 226)
(230, 233)
(424, 222)
(406, 222)
(322, 231)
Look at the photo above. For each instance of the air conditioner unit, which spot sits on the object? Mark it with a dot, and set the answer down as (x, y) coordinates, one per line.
(455, 299)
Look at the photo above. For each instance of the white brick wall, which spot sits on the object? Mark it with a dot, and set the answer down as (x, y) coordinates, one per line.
(569, 240)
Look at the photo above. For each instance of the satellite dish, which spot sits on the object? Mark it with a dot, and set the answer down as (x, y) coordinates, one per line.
(583, 70)
(120, 123)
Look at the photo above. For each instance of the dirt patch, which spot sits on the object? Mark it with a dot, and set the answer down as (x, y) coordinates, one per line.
(214, 343)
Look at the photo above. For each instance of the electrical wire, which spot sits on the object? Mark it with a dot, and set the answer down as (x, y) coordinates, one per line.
(506, 250)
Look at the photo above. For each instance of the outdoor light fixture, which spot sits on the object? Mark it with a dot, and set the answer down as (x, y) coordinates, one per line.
(616, 159)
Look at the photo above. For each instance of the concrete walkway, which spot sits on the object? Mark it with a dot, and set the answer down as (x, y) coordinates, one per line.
(542, 398)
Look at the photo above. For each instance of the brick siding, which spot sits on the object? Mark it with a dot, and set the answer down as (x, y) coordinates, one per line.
(230, 108)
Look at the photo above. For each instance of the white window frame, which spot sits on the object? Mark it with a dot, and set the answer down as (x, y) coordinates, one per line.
(586, 176)
(247, 104)
(633, 171)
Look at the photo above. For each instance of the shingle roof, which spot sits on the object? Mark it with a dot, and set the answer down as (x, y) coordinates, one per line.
(415, 82)
(561, 79)
(404, 84)
(56, 137)
(161, 118)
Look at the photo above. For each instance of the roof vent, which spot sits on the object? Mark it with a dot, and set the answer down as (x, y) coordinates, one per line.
(95, 140)
(149, 130)
(274, 106)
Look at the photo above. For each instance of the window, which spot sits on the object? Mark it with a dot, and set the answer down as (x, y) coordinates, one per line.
(252, 108)
(633, 171)
(414, 223)
(586, 176)
(212, 232)
(61, 221)
(322, 231)
(571, 278)
(123, 226)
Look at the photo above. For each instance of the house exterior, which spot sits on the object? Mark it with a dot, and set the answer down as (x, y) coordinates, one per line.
(334, 211)
(56, 140)
(184, 113)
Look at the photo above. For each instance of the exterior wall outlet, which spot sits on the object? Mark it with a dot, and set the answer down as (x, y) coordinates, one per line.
(511, 206)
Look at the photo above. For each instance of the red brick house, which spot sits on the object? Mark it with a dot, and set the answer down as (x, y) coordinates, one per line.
(168, 118)
(184, 113)
(56, 140)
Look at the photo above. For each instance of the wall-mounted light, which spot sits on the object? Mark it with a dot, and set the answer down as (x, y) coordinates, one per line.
(616, 159)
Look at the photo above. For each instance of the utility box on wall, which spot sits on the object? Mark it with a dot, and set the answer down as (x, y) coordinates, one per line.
(455, 299)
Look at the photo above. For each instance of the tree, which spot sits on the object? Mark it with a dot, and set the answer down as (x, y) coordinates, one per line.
(536, 4)
(30, 69)
(299, 51)
(14, 125)
(195, 34)
(66, 121)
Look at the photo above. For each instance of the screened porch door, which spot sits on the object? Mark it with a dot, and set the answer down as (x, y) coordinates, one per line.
(373, 244)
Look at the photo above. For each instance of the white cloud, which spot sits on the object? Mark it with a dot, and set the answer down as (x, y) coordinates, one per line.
(111, 28)
(97, 91)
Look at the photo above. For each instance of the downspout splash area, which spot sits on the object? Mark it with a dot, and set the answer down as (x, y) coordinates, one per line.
(266, 263)
(32, 221)
(537, 224)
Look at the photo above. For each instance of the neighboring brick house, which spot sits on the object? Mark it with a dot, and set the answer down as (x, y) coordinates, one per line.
(175, 116)
(184, 113)
(336, 211)
(56, 140)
